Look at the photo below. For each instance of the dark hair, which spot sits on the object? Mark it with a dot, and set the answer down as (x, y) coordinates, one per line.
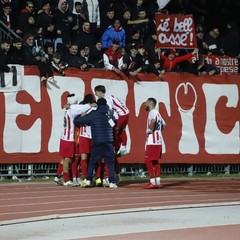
(134, 30)
(141, 9)
(71, 95)
(45, 2)
(127, 10)
(100, 88)
(6, 5)
(27, 36)
(6, 40)
(78, 3)
(116, 41)
(156, 61)
(101, 101)
(110, 9)
(56, 55)
(89, 98)
(17, 40)
(153, 100)
(133, 46)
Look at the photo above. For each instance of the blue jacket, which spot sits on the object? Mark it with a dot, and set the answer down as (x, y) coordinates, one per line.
(102, 132)
(110, 34)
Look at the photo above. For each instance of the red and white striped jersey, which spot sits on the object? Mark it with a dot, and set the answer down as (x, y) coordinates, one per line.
(116, 105)
(155, 138)
(69, 115)
(85, 131)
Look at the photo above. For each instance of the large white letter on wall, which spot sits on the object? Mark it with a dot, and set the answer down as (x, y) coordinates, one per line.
(216, 142)
(17, 140)
(188, 142)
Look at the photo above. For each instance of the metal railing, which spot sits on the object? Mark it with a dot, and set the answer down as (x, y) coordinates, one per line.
(139, 170)
(6, 32)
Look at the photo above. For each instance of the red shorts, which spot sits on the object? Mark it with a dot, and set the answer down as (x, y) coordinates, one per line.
(66, 148)
(153, 152)
(84, 145)
(122, 121)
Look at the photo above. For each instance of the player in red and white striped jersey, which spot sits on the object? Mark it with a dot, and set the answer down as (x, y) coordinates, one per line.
(85, 139)
(153, 148)
(67, 143)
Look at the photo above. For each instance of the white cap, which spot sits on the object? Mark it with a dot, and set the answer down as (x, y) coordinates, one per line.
(72, 100)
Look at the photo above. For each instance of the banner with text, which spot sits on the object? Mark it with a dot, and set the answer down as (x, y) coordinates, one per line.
(226, 64)
(175, 31)
(201, 113)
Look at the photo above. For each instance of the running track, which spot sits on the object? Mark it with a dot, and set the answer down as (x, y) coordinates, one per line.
(23, 203)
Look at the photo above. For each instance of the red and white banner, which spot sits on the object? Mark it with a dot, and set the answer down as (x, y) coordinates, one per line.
(175, 31)
(201, 112)
(226, 64)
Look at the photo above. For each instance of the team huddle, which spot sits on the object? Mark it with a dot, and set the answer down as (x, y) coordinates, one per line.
(94, 136)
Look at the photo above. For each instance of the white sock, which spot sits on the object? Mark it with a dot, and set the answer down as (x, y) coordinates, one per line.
(152, 181)
(158, 180)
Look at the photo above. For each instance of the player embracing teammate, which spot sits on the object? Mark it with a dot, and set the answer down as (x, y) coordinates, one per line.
(121, 113)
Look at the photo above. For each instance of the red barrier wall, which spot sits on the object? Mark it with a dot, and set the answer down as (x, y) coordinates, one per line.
(201, 112)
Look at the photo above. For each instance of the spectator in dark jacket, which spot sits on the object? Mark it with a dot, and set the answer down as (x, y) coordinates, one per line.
(84, 64)
(34, 55)
(63, 23)
(156, 68)
(134, 40)
(231, 40)
(28, 43)
(44, 20)
(202, 46)
(129, 24)
(96, 56)
(204, 68)
(72, 57)
(147, 30)
(214, 42)
(107, 20)
(91, 10)
(85, 36)
(6, 16)
(135, 8)
(4, 49)
(16, 53)
(142, 60)
(78, 19)
(26, 20)
(199, 67)
(102, 139)
(127, 62)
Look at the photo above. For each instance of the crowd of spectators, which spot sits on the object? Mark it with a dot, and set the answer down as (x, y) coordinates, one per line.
(118, 35)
